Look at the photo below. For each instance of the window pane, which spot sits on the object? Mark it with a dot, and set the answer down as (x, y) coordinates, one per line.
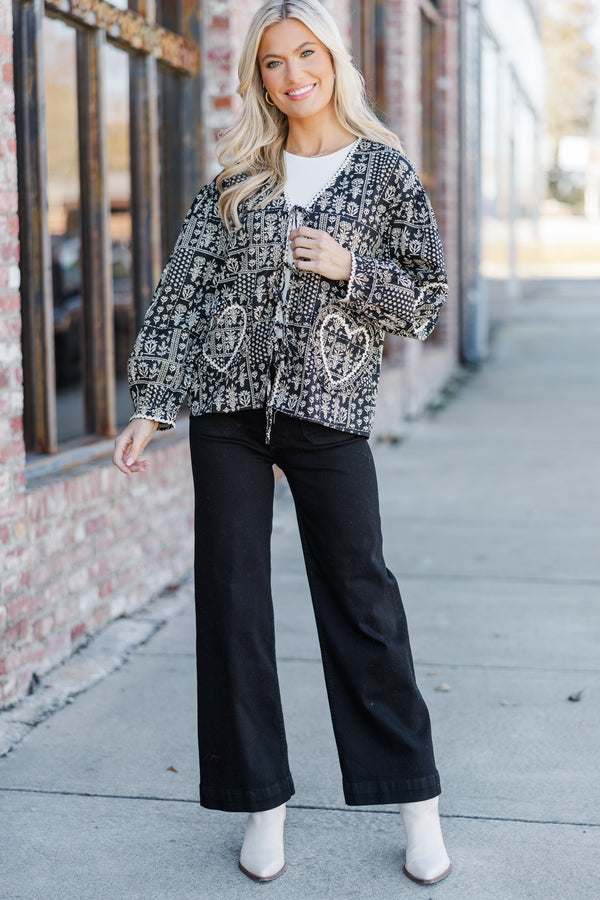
(169, 14)
(428, 63)
(172, 206)
(64, 223)
(119, 189)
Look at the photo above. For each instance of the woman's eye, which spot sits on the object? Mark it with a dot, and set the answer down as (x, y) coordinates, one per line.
(304, 52)
(272, 64)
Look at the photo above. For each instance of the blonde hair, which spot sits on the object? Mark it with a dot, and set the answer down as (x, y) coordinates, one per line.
(254, 146)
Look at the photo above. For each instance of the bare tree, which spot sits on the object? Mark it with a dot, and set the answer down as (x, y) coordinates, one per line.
(571, 65)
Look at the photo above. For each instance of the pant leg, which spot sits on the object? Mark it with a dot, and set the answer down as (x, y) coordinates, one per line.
(380, 719)
(242, 746)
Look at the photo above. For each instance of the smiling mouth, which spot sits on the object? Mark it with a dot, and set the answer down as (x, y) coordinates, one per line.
(300, 92)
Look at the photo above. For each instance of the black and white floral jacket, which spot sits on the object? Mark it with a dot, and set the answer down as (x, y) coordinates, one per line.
(209, 335)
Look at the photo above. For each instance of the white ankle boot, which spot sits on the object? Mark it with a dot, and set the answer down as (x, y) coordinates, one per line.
(262, 856)
(426, 859)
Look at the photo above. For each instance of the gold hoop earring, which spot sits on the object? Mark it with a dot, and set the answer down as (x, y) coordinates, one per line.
(268, 99)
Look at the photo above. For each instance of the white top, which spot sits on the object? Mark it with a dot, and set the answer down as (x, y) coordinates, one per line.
(307, 175)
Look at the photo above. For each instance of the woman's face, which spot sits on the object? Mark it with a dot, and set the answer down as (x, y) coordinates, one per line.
(296, 69)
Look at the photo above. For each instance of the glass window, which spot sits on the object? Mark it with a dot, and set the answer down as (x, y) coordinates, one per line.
(169, 13)
(116, 63)
(90, 202)
(60, 73)
(368, 39)
(428, 117)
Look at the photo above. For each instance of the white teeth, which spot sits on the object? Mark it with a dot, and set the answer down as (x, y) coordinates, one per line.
(301, 90)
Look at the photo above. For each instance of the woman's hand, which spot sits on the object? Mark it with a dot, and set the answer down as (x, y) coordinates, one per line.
(130, 444)
(316, 251)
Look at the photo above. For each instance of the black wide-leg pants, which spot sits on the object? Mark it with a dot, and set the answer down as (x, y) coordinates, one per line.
(380, 720)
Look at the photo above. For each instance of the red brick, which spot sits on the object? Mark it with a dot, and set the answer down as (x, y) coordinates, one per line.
(101, 616)
(11, 636)
(9, 506)
(109, 586)
(11, 328)
(19, 607)
(37, 603)
(10, 303)
(97, 569)
(56, 500)
(95, 525)
(78, 632)
(9, 201)
(77, 581)
(40, 531)
(6, 45)
(57, 647)
(41, 574)
(10, 251)
(11, 451)
(68, 611)
(7, 73)
(43, 627)
(33, 654)
(16, 426)
(36, 506)
(15, 558)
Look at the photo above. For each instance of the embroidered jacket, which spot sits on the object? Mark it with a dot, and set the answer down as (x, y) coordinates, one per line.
(209, 335)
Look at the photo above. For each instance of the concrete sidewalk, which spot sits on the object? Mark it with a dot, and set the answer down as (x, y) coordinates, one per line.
(491, 515)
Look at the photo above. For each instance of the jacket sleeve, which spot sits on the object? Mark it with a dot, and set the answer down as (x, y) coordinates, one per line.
(162, 361)
(404, 291)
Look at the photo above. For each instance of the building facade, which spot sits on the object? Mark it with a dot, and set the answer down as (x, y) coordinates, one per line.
(109, 113)
(503, 103)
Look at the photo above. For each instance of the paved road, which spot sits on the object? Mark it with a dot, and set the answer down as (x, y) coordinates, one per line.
(491, 513)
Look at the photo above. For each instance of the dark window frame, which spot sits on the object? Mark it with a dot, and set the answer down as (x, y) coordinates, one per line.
(147, 44)
(368, 41)
(429, 42)
(430, 22)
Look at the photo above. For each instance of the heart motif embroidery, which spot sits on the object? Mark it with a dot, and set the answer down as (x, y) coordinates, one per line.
(226, 337)
(344, 347)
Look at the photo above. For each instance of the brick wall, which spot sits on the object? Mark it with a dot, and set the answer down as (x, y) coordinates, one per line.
(414, 372)
(85, 549)
(13, 522)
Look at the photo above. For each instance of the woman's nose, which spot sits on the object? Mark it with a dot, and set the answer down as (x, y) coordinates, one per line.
(294, 71)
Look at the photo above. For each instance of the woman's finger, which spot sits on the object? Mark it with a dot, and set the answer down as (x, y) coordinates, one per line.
(122, 446)
(130, 444)
(304, 243)
(305, 231)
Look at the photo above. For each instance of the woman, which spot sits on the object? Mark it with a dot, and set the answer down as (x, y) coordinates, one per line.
(315, 239)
